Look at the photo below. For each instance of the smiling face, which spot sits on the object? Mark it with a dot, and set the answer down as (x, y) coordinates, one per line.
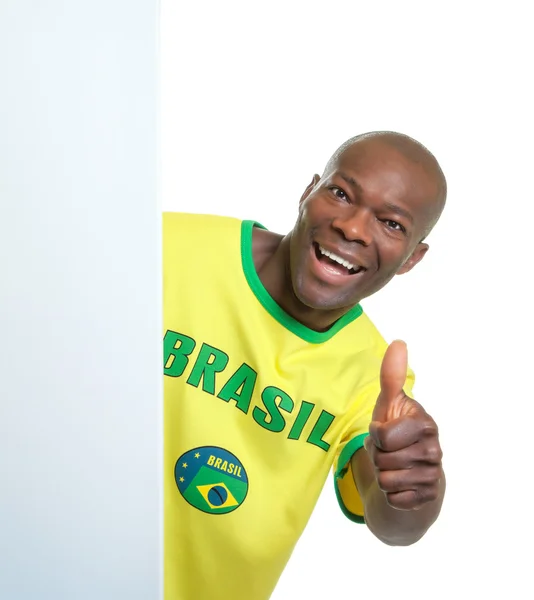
(363, 222)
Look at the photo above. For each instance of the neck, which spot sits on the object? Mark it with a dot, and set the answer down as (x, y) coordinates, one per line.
(271, 259)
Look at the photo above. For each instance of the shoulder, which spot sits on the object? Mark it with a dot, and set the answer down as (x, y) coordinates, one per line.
(187, 234)
(197, 228)
(368, 334)
(180, 219)
(376, 348)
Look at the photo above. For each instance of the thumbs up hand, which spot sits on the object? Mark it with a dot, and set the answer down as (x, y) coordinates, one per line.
(403, 440)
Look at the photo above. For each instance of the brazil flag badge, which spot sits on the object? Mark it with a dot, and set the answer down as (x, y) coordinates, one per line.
(211, 479)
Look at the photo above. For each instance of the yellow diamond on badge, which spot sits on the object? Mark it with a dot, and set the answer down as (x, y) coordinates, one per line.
(217, 495)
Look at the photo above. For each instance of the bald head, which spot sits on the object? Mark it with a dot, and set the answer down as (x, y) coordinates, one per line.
(409, 149)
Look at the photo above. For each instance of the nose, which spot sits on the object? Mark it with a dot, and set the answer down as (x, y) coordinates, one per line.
(354, 225)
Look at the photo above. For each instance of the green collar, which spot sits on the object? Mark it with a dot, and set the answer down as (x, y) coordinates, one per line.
(307, 334)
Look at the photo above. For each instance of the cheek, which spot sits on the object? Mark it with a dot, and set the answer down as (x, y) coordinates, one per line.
(308, 220)
(393, 252)
(314, 214)
(315, 207)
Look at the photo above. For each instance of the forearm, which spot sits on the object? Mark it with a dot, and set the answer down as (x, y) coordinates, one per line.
(398, 527)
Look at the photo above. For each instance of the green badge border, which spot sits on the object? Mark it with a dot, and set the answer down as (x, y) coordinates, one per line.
(200, 509)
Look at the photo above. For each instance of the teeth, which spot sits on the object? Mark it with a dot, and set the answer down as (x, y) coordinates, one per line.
(336, 258)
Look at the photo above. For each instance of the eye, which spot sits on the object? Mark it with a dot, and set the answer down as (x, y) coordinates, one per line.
(339, 193)
(394, 225)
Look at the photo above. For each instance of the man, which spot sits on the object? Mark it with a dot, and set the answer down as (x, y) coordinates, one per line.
(274, 373)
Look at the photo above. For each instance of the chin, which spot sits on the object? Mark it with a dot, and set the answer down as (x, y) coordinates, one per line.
(323, 299)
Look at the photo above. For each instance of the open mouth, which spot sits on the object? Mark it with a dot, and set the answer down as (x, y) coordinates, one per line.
(329, 258)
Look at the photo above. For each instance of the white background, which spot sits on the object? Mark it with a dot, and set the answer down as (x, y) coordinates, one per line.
(254, 99)
(80, 302)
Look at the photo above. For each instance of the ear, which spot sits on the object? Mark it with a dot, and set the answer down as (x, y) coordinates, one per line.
(416, 256)
(308, 190)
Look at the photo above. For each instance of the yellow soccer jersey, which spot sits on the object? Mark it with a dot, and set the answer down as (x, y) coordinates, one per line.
(258, 408)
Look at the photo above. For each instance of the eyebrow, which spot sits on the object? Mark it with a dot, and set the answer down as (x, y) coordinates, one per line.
(388, 205)
(399, 211)
(351, 181)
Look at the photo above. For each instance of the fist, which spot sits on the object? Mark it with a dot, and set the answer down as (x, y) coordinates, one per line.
(403, 442)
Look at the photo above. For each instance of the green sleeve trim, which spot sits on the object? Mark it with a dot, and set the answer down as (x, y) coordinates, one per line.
(352, 446)
(257, 287)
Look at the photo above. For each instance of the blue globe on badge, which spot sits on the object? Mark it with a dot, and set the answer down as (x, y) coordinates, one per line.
(211, 479)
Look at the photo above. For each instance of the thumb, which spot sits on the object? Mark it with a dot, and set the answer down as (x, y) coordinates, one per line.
(392, 379)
